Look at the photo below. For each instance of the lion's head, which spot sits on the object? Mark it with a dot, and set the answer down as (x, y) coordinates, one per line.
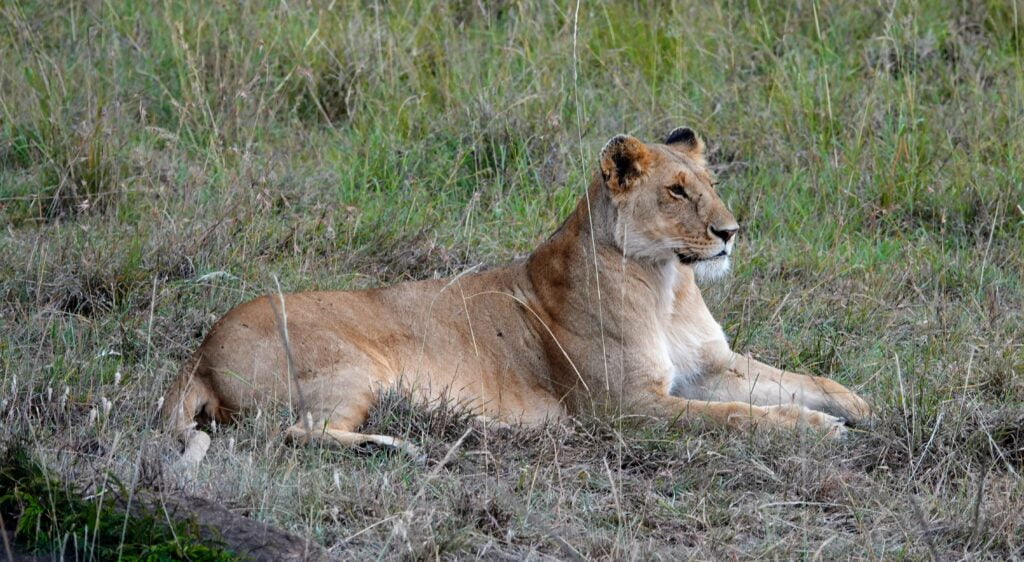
(666, 204)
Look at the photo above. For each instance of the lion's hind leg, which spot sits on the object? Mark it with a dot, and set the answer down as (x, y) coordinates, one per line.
(189, 396)
(341, 436)
(338, 405)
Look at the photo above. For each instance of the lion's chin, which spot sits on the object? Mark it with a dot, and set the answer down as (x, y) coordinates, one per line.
(709, 271)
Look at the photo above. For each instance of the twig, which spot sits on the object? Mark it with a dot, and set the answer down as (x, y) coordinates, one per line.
(924, 452)
(128, 507)
(976, 509)
(7, 542)
(615, 493)
(149, 326)
(988, 246)
(363, 530)
(919, 515)
(444, 462)
(281, 319)
(586, 189)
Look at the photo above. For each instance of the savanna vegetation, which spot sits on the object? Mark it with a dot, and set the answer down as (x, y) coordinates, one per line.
(161, 162)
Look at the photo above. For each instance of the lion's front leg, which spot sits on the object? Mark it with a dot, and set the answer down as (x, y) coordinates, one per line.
(739, 415)
(748, 380)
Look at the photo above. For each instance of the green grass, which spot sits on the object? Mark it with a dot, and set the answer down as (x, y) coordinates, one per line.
(161, 162)
(51, 517)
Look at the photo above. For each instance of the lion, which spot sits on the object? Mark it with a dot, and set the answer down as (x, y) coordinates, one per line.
(604, 318)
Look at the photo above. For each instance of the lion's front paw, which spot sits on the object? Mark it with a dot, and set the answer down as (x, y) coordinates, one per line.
(858, 410)
(793, 416)
(841, 401)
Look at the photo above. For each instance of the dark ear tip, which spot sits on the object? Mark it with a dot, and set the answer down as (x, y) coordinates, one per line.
(681, 135)
(614, 142)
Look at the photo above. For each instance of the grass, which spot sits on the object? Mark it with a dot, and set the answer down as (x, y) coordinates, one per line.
(161, 162)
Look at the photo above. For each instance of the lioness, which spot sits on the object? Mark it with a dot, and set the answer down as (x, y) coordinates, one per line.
(604, 318)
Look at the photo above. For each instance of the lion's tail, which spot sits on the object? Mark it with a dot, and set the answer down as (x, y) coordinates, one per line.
(190, 395)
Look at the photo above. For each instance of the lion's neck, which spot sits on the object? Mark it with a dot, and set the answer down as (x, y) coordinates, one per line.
(587, 240)
(592, 221)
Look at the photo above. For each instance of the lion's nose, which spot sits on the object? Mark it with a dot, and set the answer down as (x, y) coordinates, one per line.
(725, 232)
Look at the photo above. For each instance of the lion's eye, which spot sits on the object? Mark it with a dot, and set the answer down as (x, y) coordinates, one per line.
(678, 191)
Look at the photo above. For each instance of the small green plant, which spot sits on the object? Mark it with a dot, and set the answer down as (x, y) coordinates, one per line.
(49, 516)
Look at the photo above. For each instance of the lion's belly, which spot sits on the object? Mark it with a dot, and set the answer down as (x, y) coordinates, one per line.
(487, 386)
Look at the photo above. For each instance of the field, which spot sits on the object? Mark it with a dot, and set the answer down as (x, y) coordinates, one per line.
(162, 162)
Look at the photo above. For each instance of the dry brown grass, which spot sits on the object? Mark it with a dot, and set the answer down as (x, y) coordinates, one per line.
(161, 163)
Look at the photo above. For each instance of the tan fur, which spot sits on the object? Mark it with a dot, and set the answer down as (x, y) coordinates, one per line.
(604, 318)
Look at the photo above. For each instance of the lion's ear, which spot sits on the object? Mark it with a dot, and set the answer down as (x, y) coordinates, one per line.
(625, 160)
(685, 140)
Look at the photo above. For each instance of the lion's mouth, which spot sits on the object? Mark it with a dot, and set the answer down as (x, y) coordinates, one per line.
(687, 259)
